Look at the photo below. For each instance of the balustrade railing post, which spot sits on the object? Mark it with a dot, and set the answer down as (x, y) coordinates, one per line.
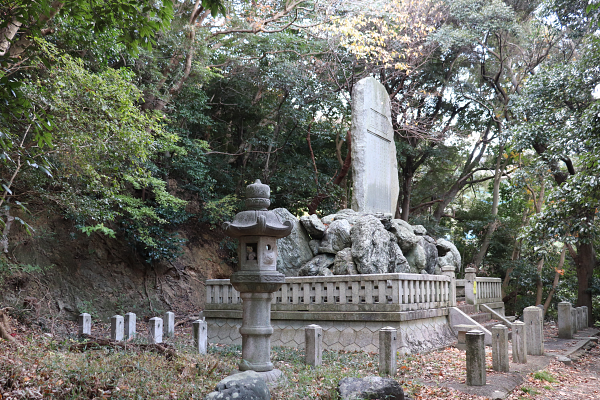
(448, 270)
(470, 286)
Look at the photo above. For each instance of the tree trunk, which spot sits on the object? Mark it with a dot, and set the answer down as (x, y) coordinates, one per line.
(557, 274)
(586, 261)
(538, 284)
(407, 182)
(500, 166)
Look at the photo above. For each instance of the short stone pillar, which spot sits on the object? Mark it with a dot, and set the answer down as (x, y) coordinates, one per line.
(580, 319)
(130, 325)
(565, 330)
(470, 286)
(156, 330)
(585, 323)
(169, 324)
(388, 345)
(200, 334)
(84, 322)
(313, 345)
(500, 361)
(519, 342)
(534, 324)
(574, 320)
(117, 327)
(475, 358)
(449, 270)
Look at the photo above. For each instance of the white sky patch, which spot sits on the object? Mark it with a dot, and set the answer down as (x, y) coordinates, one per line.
(596, 92)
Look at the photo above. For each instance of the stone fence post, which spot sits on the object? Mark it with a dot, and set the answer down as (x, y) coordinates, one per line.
(85, 324)
(534, 324)
(387, 351)
(519, 342)
(565, 330)
(500, 348)
(200, 333)
(470, 286)
(156, 330)
(475, 358)
(130, 325)
(313, 345)
(116, 328)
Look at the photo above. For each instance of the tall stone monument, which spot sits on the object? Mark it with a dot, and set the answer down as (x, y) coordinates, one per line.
(374, 165)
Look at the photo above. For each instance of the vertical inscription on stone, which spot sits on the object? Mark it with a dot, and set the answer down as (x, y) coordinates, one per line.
(374, 165)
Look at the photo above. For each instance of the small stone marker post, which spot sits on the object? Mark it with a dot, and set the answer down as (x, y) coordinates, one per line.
(200, 334)
(170, 324)
(313, 343)
(519, 342)
(580, 317)
(574, 322)
(534, 324)
(500, 361)
(130, 325)
(470, 286)
(585, 316)
(388, 342)
(565, 331)
(116, 327)
(475, 358)
(156, 330)
(85, 324)
(374, 165)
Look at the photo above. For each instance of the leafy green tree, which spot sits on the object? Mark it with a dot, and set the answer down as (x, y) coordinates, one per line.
(558, 118)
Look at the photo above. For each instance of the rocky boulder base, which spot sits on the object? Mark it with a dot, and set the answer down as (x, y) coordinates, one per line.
(370, 387)
(350, 243)
(247, 385)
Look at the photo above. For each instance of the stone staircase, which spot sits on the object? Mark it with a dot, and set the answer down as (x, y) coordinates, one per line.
(484, 318)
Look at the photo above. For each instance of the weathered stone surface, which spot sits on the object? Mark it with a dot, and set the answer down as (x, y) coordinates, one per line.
(419, 230)
(314, 246)
(417, 259)
(343, 263)
(431, 253)
(318, 266)
(247, 385)
(328, 219)
(370, 387)
(336, 238)
(407, 240)
(374, 164)
(370, 246)
(293, 250)
(398, 262)
(448, 254)
(313, 226)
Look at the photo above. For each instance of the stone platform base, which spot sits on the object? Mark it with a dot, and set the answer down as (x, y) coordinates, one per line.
(420, 332)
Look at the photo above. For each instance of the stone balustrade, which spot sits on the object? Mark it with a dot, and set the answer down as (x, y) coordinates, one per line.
(345, 293)
(489, 290)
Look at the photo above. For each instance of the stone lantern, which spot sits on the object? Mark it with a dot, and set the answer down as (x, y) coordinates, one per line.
(257, 230)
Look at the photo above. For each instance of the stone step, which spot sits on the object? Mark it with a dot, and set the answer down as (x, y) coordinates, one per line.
(468, 309)
(481, 317)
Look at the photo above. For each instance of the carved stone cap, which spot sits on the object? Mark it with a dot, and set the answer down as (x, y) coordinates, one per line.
(257, 196)
(257, 221)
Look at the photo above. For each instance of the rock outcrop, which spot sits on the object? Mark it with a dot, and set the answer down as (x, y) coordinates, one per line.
(349, 243)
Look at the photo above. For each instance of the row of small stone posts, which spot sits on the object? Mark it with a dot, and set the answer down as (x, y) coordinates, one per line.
(571, 319)
(124, 328)
(527, 338)
(388, 348)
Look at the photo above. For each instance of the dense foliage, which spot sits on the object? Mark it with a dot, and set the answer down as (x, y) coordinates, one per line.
(133, 118)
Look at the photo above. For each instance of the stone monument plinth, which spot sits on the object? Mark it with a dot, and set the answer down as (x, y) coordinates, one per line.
(257, 278)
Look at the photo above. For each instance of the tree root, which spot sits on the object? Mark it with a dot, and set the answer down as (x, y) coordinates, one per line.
(5, 329)
(94, 342)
